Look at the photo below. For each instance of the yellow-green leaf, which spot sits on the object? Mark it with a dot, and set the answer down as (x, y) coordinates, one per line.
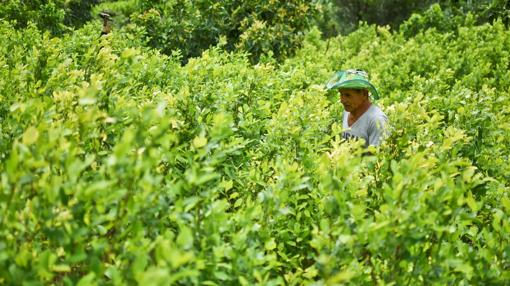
(199, 142)
(270, 244)
(30, 136)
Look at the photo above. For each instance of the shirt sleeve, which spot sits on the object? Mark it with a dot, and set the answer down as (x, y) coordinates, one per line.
(377, 130)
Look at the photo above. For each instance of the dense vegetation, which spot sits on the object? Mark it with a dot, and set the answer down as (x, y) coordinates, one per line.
(120, 165)
(347, 14)
(56, 16)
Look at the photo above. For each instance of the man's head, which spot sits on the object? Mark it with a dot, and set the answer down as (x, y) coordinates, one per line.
(353, 99)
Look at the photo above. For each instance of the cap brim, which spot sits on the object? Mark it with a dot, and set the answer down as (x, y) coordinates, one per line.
(353, 84)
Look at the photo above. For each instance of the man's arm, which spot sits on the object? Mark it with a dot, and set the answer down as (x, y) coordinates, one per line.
(377, 130)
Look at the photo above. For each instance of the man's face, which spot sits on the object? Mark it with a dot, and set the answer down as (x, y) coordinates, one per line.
(352, 99)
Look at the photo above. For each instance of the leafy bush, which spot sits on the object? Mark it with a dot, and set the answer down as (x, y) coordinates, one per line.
(121, 166)
(450, 14)
(56, 16)
(345, 16)
(348, 14)
(256, 27)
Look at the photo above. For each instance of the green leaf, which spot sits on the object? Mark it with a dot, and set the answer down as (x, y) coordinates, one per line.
(87, 280)
(30, 136)
(199, 142)
(311, 272)
(227, 185)
(471, 202)
(341, 277)
(506, 203)
(185, 237)
(270, 244)
(61, 268)
(221, 275)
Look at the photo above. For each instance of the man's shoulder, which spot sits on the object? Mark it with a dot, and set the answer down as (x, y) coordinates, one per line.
(376, 113)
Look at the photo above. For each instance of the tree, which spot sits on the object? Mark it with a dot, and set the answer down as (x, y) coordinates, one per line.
(257, 27)
(55, 16)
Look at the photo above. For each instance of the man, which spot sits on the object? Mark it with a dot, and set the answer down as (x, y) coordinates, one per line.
(361, 118)
(107, 25)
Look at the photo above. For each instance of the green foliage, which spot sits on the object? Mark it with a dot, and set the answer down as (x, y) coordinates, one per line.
(450, 14)
(484, 10)
(436, 18)
(256, 27)
(497, 9)
(56, 16)
(346, 15)
(78, 12)
(44, 14)
(120, 166)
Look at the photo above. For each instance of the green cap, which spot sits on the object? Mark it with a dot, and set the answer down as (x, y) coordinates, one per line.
(355, 79)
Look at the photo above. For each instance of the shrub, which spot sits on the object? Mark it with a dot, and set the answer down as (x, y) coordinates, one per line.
(121, 166)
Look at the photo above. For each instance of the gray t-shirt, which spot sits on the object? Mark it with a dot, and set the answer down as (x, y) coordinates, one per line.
(371, 126)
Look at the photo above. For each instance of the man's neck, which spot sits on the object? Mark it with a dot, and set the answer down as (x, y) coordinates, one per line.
(362, 109)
